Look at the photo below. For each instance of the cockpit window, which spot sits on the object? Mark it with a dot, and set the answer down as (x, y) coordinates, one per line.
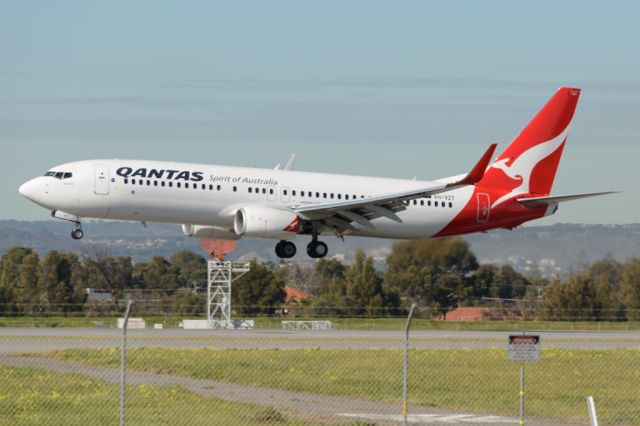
(59, 175)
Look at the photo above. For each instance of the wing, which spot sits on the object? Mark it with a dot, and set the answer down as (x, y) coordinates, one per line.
(545, 201)
(341, 214)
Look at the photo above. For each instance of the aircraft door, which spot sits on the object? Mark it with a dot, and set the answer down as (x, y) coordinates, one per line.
(101, 179)
(484, 207)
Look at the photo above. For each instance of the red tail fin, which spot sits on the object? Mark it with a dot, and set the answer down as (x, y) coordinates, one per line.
(533, 157)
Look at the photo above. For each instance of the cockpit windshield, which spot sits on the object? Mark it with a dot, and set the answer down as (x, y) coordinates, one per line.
(59, 175)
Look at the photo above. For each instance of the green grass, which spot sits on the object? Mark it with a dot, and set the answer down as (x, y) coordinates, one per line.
(31, 396)
(470, 380)
(339, 323)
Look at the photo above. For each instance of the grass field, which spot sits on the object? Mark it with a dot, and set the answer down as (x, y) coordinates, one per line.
(340, 323)
(477, 381)
(32, 396)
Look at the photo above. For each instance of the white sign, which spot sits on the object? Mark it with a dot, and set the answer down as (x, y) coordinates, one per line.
(524, 348)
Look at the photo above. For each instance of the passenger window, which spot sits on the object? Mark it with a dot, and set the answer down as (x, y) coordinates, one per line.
(155, 183)
(170, 184)
(422, 202)
(443, 204)
(162, 184)
(284, 192)
(235, 189)
(293, 192)
(302, 193)
(249, 190)
(186, 185)
(257, 190)
(178, 184)
(271, 191)
(435, 203)
(339, 196)
(428, 203)
(264, 190)
(331, 195)
(218, 187)
(204, 186)
(450, 205)
(126, 181)
(317, 195)
(324, 195)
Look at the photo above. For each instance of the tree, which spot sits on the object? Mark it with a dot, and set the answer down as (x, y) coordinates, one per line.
(572, 300)
(433, 272)
(55, 286)
(109, 273)
(158, 273)
(630, 288)
(10, 284)
(364, 286)
(260, 291)
(191, 268)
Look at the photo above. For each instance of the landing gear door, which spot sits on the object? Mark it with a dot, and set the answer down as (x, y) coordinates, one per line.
(101, 172)
(484, 207)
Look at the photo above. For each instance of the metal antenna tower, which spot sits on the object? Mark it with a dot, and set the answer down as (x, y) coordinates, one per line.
(220, 275)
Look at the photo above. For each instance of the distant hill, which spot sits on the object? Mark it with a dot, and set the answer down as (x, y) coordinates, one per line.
(531, 249)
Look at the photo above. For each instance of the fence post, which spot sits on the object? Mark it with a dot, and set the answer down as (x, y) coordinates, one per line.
(405, 372)
(592, 411)
(522, 418)
(123, 357)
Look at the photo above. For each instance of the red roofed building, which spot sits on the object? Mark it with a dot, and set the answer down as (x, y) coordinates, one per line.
(294, 294)
(479, 314)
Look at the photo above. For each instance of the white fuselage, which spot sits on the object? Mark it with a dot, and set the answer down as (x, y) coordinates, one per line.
(200, 194)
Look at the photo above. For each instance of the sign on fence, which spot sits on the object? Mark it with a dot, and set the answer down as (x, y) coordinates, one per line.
(524, 348)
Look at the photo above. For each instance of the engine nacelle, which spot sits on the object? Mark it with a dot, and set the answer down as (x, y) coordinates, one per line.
(265, 222)
(209, 232)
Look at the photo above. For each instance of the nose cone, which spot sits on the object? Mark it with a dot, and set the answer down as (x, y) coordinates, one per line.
(29, 190)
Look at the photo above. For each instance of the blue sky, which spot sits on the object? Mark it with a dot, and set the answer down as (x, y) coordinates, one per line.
(376, 88)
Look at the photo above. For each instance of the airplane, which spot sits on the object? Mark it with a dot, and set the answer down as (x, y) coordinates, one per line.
(221, 202)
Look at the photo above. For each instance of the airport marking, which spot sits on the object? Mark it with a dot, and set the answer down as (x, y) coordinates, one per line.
(432, 418)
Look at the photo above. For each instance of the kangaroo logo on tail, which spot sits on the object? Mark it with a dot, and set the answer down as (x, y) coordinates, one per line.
(522, 167)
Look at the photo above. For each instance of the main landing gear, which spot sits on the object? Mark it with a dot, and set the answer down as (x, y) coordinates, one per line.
(315, 249)
(77, 233)
(285, 249)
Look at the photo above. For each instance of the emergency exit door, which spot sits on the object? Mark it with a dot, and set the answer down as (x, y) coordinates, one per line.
(484, 207)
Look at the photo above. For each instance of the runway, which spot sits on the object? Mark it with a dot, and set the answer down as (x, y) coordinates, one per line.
(17, 340)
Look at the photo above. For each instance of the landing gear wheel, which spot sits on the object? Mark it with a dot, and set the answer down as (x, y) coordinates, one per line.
(317, 249)
(77, 234)
(285, 249)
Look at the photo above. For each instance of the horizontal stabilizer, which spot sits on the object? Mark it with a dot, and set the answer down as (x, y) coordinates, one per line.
(545, 201)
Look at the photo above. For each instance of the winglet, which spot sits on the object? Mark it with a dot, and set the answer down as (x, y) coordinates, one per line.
(478, 170)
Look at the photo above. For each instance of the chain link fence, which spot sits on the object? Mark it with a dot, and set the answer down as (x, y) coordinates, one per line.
(349, 374)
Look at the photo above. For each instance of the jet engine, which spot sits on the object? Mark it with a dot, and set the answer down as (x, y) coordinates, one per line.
(265, 222)
(210, 232)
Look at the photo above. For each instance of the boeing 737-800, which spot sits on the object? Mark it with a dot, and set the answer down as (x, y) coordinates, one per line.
(220, 202)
